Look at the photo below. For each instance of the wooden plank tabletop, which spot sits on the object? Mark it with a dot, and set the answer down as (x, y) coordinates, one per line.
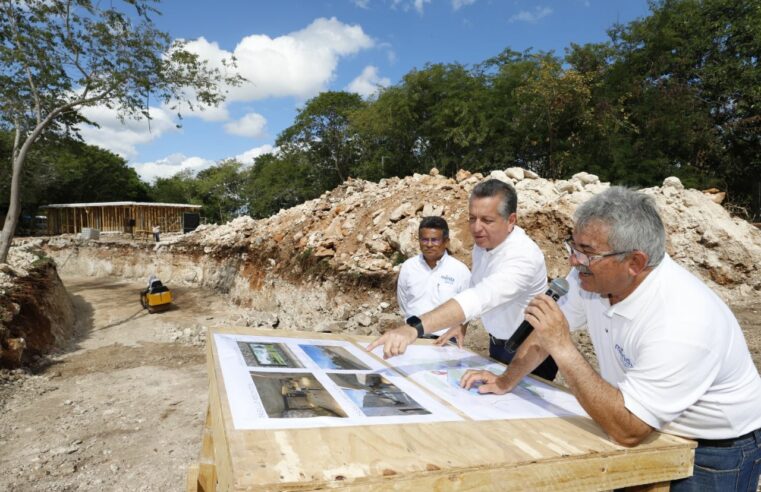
(560, 453)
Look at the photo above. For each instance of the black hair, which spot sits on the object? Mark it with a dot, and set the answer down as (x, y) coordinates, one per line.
(435, 223)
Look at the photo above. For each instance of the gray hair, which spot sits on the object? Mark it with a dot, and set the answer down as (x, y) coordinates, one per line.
(508, 203)
(632, 218)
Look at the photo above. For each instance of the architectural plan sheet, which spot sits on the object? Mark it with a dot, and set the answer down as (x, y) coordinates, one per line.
(439, 370)
(285, 383)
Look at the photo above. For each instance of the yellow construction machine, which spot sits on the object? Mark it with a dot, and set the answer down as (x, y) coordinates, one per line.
(156, 297)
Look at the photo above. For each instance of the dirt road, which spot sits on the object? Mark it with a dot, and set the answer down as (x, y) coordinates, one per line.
(123, 407)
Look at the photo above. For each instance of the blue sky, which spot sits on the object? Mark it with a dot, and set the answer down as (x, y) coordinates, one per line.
(291, 50)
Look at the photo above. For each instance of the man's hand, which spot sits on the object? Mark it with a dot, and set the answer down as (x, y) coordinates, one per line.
(456, 332)
(395, 341)
(550, 325)
(491, 383)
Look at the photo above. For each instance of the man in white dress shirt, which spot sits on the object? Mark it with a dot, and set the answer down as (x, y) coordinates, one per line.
(672, 356)
(508, 271)
(432, 277)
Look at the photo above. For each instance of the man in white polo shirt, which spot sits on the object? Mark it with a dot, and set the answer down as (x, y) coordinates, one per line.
(672, 356)
(432, 277)
(508, 271)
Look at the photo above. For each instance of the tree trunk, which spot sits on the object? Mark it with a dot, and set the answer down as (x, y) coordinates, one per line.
(14, 209)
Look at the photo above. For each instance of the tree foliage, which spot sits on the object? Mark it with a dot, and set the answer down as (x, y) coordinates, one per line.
(675, 93)
(59, 56)
(322, 131)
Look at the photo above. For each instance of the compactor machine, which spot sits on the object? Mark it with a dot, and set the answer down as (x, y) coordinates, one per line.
(156, 297)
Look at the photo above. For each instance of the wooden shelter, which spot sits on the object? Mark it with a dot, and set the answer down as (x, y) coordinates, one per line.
(117, 216)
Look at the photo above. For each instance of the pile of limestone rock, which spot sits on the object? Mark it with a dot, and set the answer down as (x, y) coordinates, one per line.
(367, 229)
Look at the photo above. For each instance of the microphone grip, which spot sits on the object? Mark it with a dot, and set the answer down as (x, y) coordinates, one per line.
(520, 336)
(525, 328)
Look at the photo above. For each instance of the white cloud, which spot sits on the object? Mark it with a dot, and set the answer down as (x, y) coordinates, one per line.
(170, 165)
(251, 125)
(250, 155)
(458, 4)
(406, 5)
(122, 138)
(419, 5)
(368, 82)
(299, 64)
(531, 17)
(361, 3)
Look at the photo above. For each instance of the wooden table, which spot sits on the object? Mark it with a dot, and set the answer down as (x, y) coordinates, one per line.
(568, 453)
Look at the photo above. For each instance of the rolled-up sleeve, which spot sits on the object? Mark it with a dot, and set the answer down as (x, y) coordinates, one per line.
(513, 277)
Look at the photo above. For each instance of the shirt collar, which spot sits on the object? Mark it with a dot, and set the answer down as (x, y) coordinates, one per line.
(511, 238)
(634, 302)
(439, 262)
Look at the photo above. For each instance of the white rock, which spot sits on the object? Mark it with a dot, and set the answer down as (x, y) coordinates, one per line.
(673, 182)
(517, 173)
(585, 178)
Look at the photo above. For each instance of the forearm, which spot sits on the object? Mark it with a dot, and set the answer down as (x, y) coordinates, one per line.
(445, 316)
(528, 357)
(603, 402)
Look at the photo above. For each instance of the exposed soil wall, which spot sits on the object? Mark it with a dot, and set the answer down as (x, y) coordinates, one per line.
(36, 313)
(303, 299)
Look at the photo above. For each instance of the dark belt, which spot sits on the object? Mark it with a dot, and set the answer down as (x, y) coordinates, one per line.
(497, 341)
(725, 443)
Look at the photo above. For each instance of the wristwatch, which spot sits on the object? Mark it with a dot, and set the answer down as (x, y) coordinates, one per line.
(416, 323)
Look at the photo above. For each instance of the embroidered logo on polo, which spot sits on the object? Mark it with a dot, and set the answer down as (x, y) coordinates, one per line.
(624, 359)
(449, 280)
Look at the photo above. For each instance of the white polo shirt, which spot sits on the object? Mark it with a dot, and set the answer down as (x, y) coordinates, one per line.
(421, 288)
(503, 282)
(675, 351)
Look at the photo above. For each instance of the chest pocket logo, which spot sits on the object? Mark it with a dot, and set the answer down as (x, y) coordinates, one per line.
(625, 361)
(447, 280)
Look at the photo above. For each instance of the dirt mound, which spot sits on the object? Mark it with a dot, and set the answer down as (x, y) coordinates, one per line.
(36, 313)
(364, 229)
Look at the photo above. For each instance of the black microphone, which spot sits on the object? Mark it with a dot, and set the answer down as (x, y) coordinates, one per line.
(558, 288)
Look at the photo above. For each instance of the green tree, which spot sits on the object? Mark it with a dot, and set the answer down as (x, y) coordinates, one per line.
(66, 170)
(436, 117)
(323, 132)
(85, 173)
(219, 190)
(553, 112)
(692, 68)
(59, 56)
(388, 131)
(277, 182)
(180, 188)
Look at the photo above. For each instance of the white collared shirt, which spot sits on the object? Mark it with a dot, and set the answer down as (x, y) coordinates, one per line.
(675, 351)
(503, 282)
(421, 288)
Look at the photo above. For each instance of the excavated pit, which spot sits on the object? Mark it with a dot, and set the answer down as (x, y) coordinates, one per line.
(120, 399)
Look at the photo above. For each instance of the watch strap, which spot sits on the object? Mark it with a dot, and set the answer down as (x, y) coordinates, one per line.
(416, 323)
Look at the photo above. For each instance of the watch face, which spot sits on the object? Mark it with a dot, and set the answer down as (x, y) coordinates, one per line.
(413, 320)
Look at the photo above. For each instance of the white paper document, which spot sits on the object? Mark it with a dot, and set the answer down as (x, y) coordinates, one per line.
(439, 370)
(282, 383)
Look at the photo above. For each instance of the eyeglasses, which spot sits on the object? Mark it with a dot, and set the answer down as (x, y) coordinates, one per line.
(432, 240)
(585, 258)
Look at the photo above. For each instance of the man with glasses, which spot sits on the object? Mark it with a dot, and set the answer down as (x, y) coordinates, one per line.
(672, 356)
(432, 277)
(508, 271)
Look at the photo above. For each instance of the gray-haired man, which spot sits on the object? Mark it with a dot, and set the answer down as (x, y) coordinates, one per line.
(672, 356)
